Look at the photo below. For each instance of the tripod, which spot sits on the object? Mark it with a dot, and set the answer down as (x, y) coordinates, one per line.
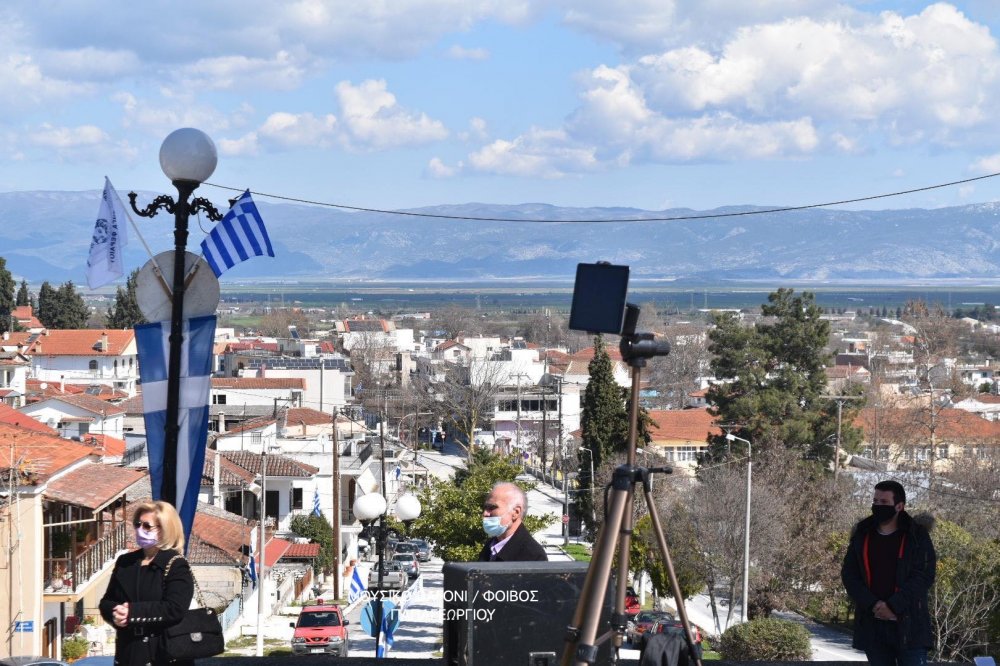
(581, 635)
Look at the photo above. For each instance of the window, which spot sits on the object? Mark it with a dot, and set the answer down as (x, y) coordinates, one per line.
(219, 399)
(686, 453)
(942, 451)
(296, 498)
(93, 364)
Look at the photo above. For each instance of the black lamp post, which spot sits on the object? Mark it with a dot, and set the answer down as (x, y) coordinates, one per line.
(369, 508)
(188, 157)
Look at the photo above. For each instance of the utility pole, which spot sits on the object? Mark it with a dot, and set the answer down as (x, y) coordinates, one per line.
(545, 430)
(336, 509)
(263, 542)
(840, 399)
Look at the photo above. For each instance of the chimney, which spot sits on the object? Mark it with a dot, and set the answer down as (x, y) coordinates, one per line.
(262, 373)
(104, 342)
(222, 423)
(62, 383)
(6, 335)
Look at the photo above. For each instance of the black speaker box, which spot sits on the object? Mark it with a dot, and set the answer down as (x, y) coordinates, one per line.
(512, 613)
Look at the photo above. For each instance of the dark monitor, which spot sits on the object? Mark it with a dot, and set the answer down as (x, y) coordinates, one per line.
(599, 298)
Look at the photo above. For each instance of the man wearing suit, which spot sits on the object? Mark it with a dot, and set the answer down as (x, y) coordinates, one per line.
(503, 516)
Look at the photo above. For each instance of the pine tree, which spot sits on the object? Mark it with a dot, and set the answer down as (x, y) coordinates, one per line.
(773, 377)
(7, 286)
(23, 296)
(72, 312)
(604, 423)
(48, 305)
(125, 312)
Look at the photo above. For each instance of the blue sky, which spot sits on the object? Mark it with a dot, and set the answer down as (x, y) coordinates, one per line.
(645, 103)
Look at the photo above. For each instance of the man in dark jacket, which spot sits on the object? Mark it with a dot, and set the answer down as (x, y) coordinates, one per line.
(503, 522)
(888, 569)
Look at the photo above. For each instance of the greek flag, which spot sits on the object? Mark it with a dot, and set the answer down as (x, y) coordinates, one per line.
(316, 510)
(253, 557)
(107, 245)
(240, 235)
(153, 343)
(357, 587)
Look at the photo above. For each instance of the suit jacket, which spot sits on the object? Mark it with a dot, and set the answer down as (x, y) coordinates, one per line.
(522, 547)
(154, 603)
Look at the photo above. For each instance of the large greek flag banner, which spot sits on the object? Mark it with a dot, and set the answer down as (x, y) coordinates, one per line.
(153, 342)
(240, 235)
(357, 587)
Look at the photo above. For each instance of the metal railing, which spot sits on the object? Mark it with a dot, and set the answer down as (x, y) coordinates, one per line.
(68, 574)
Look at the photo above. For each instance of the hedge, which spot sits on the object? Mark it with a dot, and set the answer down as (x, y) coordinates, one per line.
(766, 639)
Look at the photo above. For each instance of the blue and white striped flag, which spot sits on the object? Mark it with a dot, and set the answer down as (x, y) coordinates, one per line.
(252, 566)
(357, 587)
(316, 510)
(153, 343)
(239, 236)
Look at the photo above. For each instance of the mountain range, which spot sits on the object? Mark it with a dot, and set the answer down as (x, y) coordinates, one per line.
(46, 235)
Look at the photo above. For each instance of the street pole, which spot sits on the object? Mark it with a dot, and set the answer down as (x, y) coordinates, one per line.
(565, 518)
(260, 575)
(746, 526)
(336, 509)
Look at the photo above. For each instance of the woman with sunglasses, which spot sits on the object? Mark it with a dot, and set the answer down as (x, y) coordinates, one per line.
(142, 598)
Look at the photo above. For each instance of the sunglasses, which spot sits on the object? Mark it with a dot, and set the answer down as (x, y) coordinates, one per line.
(149, 527)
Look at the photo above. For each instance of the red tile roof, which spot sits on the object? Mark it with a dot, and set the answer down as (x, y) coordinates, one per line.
(11, 416)
(252, 345)
(90, 403)
(302, 550)
(299, 415)
(105, 444)
(78, 342)
(247, 426)
(588, 353)
(914, 424)
(92, 486)
(689, 425)
(25, 317)
(38, 456)
(258, 383)
(277, 465)
(274, 550)
(230, 474)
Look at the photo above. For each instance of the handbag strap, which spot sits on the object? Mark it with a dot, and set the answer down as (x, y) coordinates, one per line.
(197, 588)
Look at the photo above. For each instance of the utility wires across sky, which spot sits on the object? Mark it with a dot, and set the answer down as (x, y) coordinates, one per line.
(672, 218)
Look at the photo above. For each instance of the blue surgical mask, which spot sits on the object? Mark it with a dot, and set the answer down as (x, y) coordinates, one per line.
(493, 527)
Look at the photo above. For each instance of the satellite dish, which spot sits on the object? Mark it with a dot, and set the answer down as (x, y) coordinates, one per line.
(43, 386)
(201, 295)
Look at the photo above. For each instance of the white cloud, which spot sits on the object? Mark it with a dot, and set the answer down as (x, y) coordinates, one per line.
(68, 137)
(461, 53)
(295, 131)
(374, 120)
(282, 71)
(86, 143)
(438, 169)
(23, 84)
(89, 63)
(539, 153)
(159, 117)
(987, 164)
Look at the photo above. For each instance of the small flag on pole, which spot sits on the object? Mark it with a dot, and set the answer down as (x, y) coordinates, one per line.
(357, 587)
(316, 510)
(253, 557)
(240, 235)
(105, 263)
(153, 344)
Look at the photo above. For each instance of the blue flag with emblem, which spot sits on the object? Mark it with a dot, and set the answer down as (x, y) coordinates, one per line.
(239, 236)
(153, 344)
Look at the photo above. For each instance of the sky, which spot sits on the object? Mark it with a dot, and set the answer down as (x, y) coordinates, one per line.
(649, 104)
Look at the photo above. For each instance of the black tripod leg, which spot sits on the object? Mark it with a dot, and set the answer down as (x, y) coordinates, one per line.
(661, 541)
(581, 649)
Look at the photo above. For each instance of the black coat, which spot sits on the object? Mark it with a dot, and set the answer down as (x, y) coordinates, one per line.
(522, 547)
(155, 602)
(914, 577)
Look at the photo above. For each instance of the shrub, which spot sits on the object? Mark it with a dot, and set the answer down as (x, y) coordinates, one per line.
(74, 648)
(766, 639)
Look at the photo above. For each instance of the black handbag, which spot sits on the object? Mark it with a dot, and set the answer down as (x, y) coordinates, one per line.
(198, 634)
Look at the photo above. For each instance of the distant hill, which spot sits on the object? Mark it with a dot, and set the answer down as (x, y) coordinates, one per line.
(45, 235)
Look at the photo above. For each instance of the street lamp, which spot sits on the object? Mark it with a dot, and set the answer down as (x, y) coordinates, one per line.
(746, 528)
(188, 158)
(369, 508)
(593, 501)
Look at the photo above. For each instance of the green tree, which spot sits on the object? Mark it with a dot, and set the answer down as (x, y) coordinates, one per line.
(23, 295)
(452, 511)
(7, 287)
(685, 553)
(773, 376)
(125, 312)
(604, 423)
(317, 530)
(64, 308)
(48, 305)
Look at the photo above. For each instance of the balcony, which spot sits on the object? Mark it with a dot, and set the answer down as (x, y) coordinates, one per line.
(84, 558)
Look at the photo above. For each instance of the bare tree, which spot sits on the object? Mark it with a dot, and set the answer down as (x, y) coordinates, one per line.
(676, 374)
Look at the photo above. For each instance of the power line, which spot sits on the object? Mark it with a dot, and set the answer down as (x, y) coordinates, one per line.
(673, 218)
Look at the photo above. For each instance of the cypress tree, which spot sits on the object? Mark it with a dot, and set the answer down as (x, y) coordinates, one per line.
(72, 311)
(125, 312)
(48, 305)
(23, 296)
(7, 287)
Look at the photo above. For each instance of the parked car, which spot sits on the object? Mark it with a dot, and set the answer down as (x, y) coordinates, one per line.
(671, 624)
(423, 549)
(408, 562)
(393, 577)
(641, 623)
(407, 547)
(320, 629)
(31, 661)
(632, 605)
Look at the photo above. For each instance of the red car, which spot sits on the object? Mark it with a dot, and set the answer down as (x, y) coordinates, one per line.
(632, 606)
